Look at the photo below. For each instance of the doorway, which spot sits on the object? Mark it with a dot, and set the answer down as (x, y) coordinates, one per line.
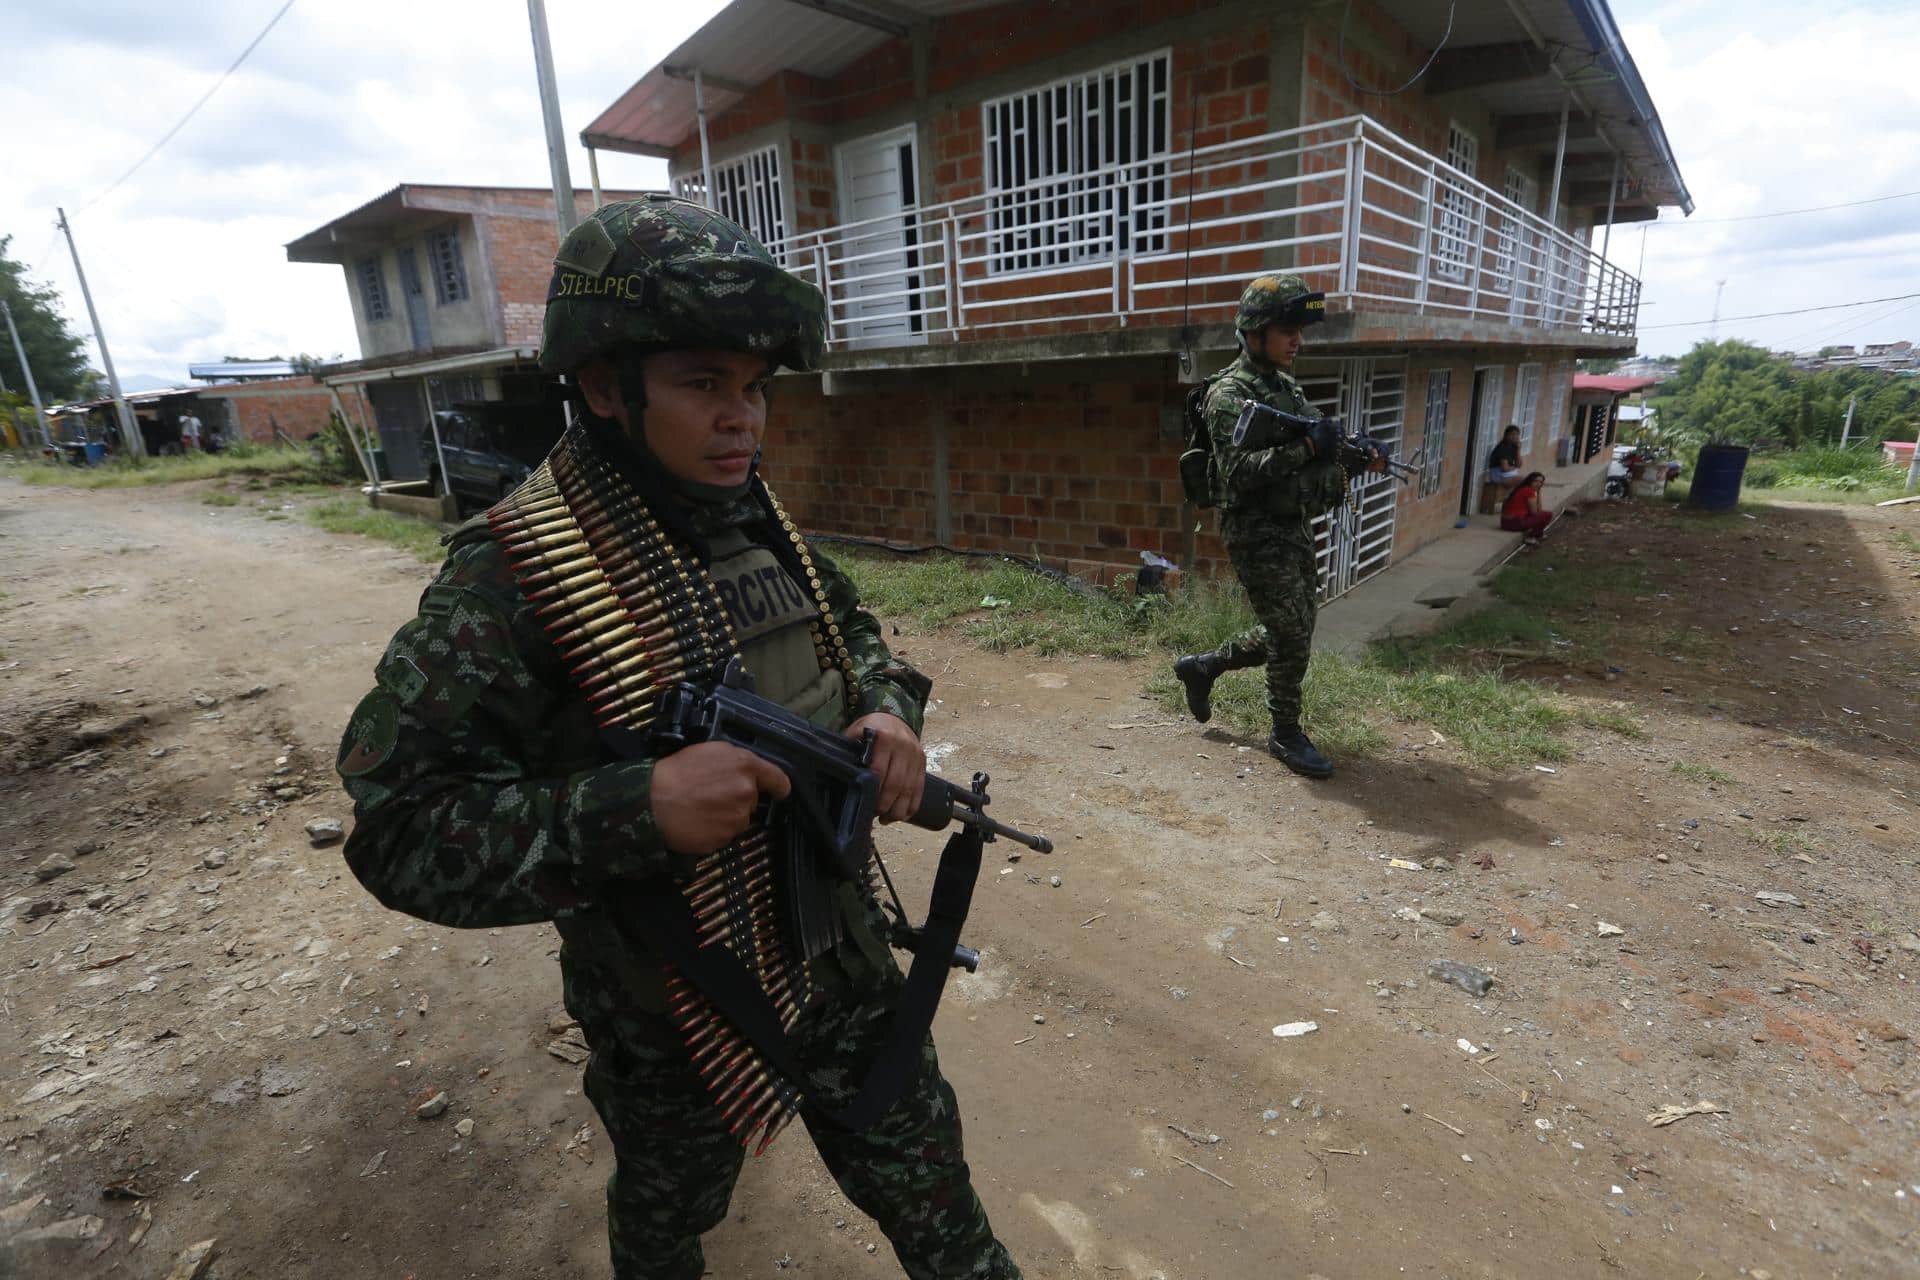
(416, 295)
(1483, 427)
(879, 267)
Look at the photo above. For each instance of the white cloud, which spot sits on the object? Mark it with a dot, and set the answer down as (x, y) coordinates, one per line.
(1768, 106)
(338, 104)
(1772, 107)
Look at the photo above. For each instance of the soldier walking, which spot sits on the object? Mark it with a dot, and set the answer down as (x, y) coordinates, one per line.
(1268, 498)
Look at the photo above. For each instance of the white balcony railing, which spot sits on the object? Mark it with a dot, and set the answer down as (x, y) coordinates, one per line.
(1377, 222)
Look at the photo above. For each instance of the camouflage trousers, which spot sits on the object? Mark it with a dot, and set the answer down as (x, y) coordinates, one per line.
(1275, 564)
(675, 1163)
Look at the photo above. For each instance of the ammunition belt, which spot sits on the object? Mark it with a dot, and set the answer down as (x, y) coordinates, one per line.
(632, 613)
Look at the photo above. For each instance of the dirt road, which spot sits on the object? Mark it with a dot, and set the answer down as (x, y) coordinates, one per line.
(200, 1009)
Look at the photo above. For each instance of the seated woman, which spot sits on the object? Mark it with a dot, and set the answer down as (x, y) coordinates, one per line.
(1503, 464)
(1523, 512)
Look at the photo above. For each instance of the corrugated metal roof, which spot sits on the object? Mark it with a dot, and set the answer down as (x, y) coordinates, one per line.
(744, 44)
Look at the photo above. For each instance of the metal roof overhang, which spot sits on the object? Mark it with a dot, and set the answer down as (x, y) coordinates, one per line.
(444, 364)
(1531, 55)
(745, 44)
(1524, 59)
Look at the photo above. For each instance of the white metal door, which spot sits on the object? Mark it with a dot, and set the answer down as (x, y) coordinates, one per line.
(877, 261)
(1355, 540)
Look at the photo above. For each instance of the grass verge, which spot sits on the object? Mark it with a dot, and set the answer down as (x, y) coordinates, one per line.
(1453, 681)
(349, 515)
(286, 465)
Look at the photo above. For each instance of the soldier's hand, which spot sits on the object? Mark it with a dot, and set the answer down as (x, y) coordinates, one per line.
(704, 795)
(1324, 438)
(900, 762)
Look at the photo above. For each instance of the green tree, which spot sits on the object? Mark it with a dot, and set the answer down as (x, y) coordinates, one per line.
(1736, 392)
(58, 356)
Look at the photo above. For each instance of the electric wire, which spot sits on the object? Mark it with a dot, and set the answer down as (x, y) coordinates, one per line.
(182, 121)
(1340, 57)
(1784, 213)
(1768, 315)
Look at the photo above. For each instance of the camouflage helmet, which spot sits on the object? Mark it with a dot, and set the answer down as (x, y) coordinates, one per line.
(1278, 299)
(661, 272)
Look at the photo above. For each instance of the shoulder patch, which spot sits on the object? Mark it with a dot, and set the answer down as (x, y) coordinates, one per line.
(402, 677)
(439, 599)
(370, 737)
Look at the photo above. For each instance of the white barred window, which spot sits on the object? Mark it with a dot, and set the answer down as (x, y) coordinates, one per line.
(1453, 239)
(1526, 405)
(1076, 169)
(748, 191)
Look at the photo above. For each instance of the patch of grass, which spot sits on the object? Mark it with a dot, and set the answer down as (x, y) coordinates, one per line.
(1905, 541)
(1443, 680)
(1686, 642)
(348, 515)
(241, 460)
(220, 498)
(1044, 613)
(1704, 774)
(1788, 843)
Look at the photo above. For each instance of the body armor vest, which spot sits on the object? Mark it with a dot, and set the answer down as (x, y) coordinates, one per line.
(632, 610)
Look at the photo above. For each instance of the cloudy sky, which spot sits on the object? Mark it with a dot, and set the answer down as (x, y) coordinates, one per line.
(1769, 107)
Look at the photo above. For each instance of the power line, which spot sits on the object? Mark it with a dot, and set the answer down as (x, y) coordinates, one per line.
(1768, 315)
(181, 123)
(1784, 213)
(1826, 333)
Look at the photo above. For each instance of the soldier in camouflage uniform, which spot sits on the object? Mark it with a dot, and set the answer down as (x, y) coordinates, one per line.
(1268, 498)
(484, 795)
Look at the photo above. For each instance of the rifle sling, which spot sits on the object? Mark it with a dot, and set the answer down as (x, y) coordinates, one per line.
(667, 923)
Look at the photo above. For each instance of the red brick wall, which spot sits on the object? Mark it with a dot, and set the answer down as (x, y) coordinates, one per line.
(299, 406)
(1076, 472)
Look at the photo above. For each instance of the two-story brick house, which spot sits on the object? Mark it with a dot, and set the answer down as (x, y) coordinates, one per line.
(448, 286)
(1031, 221)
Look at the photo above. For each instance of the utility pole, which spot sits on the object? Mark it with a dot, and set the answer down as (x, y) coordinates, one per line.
(39, 410)
(550, 109)
(129, 430)
(1846, 427)
(1713, 333)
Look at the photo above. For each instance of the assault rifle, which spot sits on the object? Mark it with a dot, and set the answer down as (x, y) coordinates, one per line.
(1261, 426)
(835, 790)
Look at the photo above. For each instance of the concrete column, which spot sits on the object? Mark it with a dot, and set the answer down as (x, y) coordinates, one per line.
(941, 421)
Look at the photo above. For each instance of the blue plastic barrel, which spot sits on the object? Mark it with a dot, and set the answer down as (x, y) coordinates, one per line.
(96, 453)
(1716, 477)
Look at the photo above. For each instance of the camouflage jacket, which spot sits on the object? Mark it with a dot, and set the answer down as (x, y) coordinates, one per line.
(482, 792)
(1284, 480)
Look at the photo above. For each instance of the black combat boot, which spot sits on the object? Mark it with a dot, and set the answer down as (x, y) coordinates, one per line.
(1198, 671)
(1295, 750)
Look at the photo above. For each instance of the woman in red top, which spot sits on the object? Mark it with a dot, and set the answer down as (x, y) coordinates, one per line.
(1523, 512)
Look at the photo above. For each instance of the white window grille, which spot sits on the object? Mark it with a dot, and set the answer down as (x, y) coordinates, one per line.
(1453, 239)
(373, 291)
(1512, 235)
(746, 190)
(1433, 434)
(1526, 405)
(1076, 169)
(449, 269)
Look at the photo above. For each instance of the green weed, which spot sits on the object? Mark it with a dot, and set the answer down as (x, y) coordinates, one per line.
(1704, 774)
(348, 515)
(220, 498)
(241, 460)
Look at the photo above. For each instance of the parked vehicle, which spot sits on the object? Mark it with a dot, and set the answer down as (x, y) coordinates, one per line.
(489, 449)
